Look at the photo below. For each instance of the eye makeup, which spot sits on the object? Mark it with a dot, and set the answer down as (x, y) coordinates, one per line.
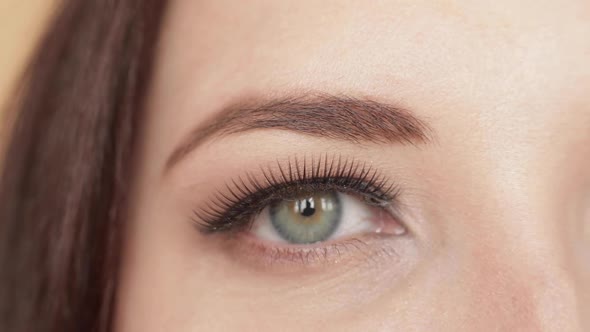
(233, 208)
(309, 210)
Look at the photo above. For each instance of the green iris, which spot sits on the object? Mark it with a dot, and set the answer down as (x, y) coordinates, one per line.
(308, 219)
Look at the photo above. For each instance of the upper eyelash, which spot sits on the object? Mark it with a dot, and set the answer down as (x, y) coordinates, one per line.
(247, 196)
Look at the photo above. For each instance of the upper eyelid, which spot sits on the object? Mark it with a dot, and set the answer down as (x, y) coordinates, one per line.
(337, 171)
(326, 166)
(335, 186)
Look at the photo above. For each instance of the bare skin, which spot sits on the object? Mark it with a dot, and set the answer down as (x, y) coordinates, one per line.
(496, 203)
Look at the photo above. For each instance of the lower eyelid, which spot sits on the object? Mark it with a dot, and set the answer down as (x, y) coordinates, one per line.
(367, 248)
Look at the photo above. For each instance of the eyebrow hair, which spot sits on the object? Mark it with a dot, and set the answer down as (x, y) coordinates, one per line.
(334, 117)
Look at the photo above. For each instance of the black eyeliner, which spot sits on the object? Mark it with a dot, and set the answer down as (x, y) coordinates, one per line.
(244, 197)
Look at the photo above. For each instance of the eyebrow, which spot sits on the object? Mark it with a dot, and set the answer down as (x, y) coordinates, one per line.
(356, 120)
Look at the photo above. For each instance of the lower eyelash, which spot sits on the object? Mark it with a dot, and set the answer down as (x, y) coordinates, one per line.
(234, 208)
(365, 249)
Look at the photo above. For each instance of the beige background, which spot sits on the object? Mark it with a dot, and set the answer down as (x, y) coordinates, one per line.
(21, 22)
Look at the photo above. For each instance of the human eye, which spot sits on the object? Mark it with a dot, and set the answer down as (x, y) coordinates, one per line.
(304, 209)
(318, 217)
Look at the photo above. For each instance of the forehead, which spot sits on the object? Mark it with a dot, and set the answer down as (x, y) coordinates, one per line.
(522, 61)
(410, 47)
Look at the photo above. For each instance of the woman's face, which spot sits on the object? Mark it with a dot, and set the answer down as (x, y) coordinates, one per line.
(363, 166)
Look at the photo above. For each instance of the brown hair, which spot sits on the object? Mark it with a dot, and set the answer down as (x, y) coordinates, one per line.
(67, 162)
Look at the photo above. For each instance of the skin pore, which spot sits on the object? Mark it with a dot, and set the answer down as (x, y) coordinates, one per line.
(496, 203)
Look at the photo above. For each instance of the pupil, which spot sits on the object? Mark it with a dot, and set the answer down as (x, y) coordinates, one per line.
(307, 207)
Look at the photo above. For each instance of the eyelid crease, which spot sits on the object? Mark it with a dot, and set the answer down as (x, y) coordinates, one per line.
(245, 196)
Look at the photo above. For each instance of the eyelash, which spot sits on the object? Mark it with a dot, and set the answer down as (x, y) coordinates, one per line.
(234, 208)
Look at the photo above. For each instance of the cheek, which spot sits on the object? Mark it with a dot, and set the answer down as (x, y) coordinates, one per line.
(499, 294)
(585, 233)
(154, 292)
(513, 292)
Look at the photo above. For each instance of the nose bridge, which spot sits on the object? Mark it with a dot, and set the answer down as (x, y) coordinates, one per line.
(524, 269)
(546, 297)
(521, 295)
(523, 261)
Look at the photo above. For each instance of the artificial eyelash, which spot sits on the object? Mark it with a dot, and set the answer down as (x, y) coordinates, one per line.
(245, 197)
